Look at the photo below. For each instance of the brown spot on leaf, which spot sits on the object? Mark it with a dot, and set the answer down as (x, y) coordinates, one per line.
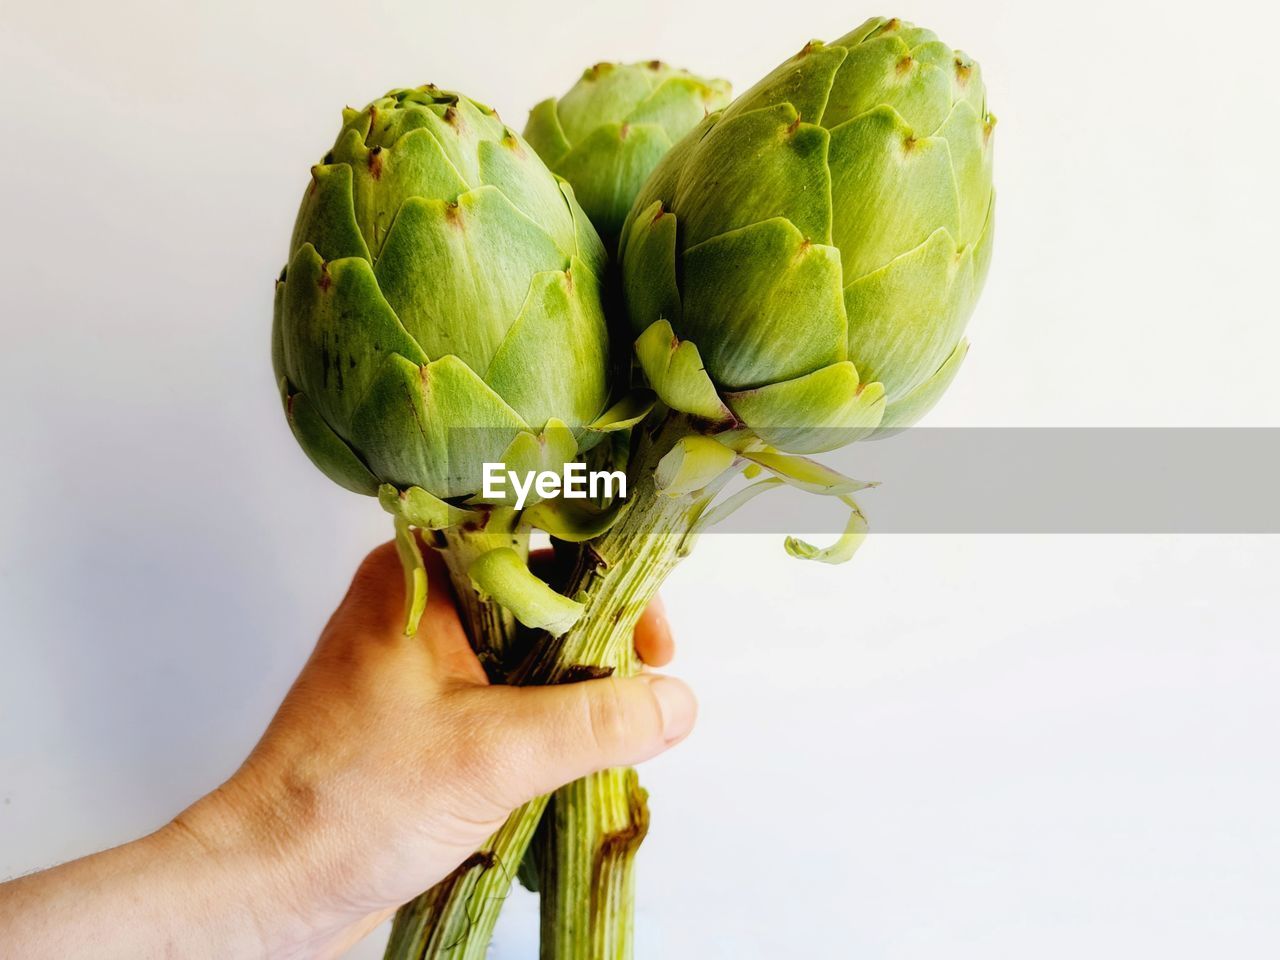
(375, 163)
(661, 212)
(795, 125)
(893, 24)
(904, 65)
(325, 281)
(963, 71)
(909, 144)
(623, 131)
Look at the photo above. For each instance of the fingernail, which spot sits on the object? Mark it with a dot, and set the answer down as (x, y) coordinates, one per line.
(677, 704)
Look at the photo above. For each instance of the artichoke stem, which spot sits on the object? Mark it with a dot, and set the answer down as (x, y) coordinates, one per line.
(589, 842)
(492, 628)
(589, 839)
(454, 920)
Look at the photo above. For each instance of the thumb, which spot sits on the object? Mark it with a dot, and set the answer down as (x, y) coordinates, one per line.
(554, 735)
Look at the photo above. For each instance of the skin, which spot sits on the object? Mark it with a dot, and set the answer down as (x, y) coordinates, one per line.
(389, 762)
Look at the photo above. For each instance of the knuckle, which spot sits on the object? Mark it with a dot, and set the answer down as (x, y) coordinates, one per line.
(607, 719)
(379, 563)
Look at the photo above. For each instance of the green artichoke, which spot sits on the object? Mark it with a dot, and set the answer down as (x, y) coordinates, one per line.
(609, 131)
(441, 303)
(804, 262)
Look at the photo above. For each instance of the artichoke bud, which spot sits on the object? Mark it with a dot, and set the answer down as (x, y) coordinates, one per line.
(608, 132)
(442, 298)
(822, 241)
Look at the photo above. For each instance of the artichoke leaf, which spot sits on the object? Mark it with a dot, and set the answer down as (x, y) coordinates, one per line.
(415, 575)
(678, 104)
(502, 576)
(910, 313)
(277, 331)
(513, 167)
(906, 410)
(325, 448)
(730, 505)
(864, 30)
(820, 411)
(884, 71)
(420, 508)
(572, 521)
(554, 359)
(336, 332)
(626, 413)
(804, 81)
(327, 219)
(609, 167)
(605, 92)
(675, 371)
(969, 143)
(845, 546)
(756, 159)
(590, 247)
(433, 426)
(808, 475)
(878, 164)
(544, 133)
(383, 179)
(529, 454)
(649, 268)
(765, 304)
(691, 464)
(482, 252)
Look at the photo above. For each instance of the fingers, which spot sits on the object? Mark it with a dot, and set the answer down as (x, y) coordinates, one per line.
(374, 607)
(654, 644)
(441, 630)
(552, 735)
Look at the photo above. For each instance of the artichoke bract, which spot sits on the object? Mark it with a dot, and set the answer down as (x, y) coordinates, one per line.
(805, 261)
(608, 132)
(441, 304)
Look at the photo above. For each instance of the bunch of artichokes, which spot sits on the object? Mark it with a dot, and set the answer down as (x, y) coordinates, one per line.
(796, 269)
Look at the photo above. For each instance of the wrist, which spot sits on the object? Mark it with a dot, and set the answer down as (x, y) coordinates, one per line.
(253, 873)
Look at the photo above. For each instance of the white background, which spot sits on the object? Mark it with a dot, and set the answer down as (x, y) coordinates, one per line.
(960, 747)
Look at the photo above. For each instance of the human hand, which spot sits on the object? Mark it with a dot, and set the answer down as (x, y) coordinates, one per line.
(392, 759)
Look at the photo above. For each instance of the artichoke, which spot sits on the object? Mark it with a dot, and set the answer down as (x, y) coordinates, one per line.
(441, 306)
(608, 132)
(803, 263)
